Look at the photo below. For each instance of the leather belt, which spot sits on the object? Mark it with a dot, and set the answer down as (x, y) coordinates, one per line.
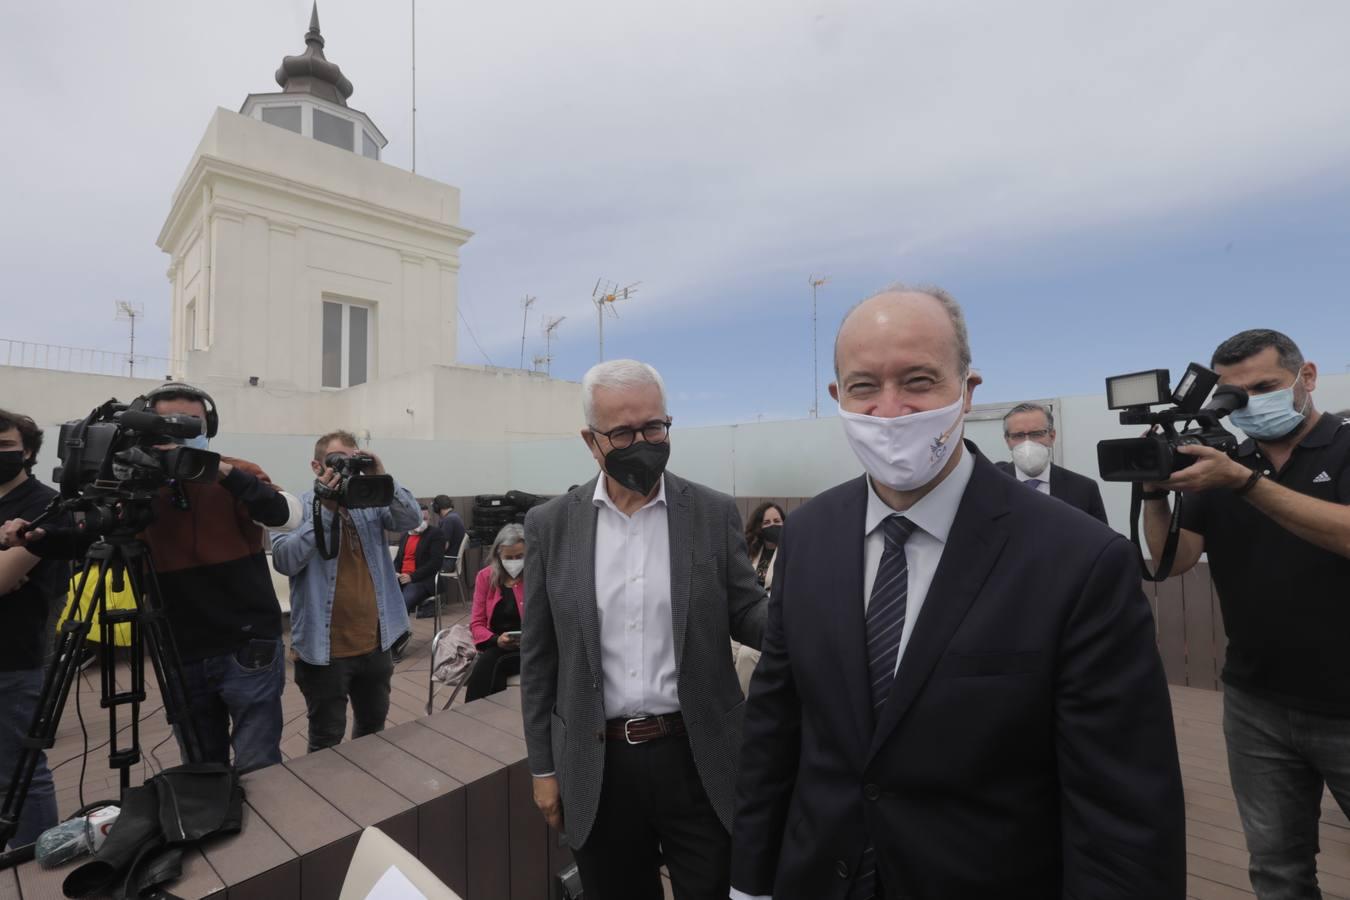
(644, 728)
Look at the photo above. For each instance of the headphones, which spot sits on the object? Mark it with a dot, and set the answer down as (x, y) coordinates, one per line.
(179, 389)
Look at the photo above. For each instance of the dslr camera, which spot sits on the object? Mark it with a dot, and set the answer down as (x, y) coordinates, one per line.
(356, 487)
(1154, 456)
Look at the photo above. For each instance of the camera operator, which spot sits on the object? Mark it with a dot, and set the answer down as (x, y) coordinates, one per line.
(208, 542)
(1275, 523)
(346, 612)
(27, 585)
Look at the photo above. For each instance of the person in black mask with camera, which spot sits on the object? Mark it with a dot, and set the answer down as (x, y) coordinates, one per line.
(207, 543)
(28, 584)
(651, 572)
(1274, 520)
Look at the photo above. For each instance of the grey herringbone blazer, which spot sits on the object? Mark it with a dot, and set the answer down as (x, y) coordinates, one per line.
(713, 598)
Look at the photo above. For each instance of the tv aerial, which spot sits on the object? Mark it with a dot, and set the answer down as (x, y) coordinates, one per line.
(131, 312)
(604, 296)
(551, 324)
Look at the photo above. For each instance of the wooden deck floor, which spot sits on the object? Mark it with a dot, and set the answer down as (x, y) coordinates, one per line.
(1217, 857)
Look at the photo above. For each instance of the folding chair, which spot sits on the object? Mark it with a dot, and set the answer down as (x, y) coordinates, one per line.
(451, 573)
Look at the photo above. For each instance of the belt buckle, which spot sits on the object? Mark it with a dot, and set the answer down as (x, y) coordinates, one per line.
(626, 736)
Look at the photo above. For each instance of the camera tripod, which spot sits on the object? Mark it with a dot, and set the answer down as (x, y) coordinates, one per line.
(124, 561)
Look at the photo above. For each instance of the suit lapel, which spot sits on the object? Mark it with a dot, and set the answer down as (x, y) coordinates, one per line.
(581, 519)
(973, 546)
(679, 522)
(1058, 483)
(839, 593)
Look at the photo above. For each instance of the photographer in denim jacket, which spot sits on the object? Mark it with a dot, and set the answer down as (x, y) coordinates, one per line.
(347, 611)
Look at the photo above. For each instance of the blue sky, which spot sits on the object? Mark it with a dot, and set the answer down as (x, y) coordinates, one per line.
(1105, 188)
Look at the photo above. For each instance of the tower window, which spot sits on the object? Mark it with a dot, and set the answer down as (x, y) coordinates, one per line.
(287, 117)
(346, 344)
(368, 146)
(333, 130)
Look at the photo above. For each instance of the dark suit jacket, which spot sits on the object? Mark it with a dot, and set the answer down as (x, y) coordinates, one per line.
(1026, 749)
(452, 527)
(713, 598)
(428, 555)
(1076, 490)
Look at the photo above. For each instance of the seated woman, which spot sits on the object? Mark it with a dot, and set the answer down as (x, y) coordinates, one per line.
(498, 603)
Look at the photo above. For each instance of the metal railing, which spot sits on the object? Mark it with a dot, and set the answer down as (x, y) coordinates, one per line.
(26, 354)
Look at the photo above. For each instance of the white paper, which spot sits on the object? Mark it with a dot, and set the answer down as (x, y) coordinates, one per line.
(394, 885)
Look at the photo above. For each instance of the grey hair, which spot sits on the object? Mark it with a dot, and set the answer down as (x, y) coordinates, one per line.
(616, 374)
(949, 304)
(1029, 407)
(510, 535)
(1246, 344)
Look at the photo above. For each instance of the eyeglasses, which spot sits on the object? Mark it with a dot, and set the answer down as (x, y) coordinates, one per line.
(654, 432)
(1020, 436)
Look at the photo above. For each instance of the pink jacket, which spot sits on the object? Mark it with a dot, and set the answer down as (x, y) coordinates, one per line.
(485, 599)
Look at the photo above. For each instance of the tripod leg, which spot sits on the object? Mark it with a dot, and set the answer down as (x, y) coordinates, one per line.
(164, 657)
(60, 673)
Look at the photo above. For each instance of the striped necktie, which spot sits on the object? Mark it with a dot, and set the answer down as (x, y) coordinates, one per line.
(886, 610)
(885, 625)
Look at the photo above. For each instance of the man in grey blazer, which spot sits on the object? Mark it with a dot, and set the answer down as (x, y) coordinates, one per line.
(635, 584)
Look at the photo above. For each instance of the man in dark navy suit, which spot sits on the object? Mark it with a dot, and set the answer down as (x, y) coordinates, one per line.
(959, 695)
(1029, 430)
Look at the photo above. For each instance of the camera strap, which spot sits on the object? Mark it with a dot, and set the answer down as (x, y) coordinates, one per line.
(1173, 534)
(330, 551)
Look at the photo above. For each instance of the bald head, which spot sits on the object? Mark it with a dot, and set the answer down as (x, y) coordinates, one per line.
(908, 315)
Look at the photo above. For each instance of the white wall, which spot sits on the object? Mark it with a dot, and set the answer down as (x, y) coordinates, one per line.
(492, 448)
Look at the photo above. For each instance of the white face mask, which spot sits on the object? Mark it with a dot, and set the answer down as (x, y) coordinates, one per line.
(1031, 458)
(906, 452)
(513, 567)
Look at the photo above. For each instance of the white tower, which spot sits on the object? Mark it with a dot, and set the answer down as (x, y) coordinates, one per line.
(300, 259)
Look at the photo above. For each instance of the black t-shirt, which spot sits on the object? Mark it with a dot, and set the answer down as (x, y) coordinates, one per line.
(1286, 602)
(505, 615)
(22, 637)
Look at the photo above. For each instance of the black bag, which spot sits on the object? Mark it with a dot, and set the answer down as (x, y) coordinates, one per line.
(177, 807)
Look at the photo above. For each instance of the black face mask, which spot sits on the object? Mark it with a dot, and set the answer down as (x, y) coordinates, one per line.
(638, 467)
(771, 533)
(11, 464)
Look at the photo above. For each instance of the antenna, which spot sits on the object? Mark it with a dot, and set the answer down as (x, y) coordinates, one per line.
(131, 313)
(414, 89)
(550, 329)
(815, 364)
(604, 296)
(525, 304)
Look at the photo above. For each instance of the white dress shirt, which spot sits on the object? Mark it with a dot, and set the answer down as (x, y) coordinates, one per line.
(1044, 486)
(632, 598)
(933, 516)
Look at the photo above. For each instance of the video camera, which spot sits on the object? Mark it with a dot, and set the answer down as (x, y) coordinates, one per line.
(355, 488)
(117, 449)
(114, 460)
(1154, 456)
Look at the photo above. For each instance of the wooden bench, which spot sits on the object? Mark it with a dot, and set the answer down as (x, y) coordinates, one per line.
(453, 789)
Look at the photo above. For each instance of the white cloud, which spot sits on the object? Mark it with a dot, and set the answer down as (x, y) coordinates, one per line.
(685, 146)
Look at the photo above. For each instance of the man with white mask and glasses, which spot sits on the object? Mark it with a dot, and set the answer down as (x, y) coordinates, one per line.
(1029, 431)
(1275, 522)
(959, 694)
